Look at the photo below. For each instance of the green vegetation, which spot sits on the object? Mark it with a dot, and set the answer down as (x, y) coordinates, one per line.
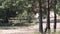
(21, 12)
(58, 7)
(20, 9)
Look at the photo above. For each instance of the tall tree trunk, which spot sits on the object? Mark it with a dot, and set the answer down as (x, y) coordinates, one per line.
(40, 17)
(48, 17)
(55, 20)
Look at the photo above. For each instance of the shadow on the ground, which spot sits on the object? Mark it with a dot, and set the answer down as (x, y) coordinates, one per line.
(14, 24)
(24, 24)
(21, 24)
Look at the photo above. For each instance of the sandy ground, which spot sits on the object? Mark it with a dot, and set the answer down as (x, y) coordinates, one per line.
(27, 30)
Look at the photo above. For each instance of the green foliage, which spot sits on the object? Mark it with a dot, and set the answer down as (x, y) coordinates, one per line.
(58, 7)
(24, 15)
(20, 7)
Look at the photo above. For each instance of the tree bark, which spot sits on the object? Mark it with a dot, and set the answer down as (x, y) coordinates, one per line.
(40, 17)
(48, 17)
(55, 20)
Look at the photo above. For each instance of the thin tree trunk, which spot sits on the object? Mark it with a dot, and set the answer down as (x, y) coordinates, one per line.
(48, 18)
(55, 20)
(40, 17)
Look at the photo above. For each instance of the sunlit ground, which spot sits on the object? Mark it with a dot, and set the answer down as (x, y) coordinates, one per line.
(34, 29)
